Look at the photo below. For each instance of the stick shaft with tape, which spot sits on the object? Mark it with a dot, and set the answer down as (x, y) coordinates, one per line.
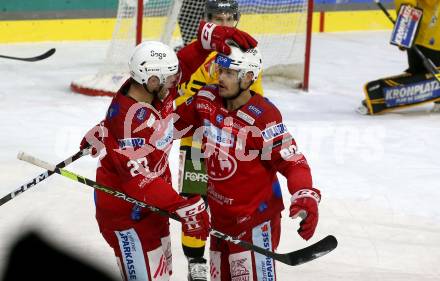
(41, 177)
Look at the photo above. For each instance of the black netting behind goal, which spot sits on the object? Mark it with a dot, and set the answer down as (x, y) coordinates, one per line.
(189, 17)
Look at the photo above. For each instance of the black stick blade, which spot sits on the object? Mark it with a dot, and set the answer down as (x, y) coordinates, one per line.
(44, 56)
(31, 59)
(309, 253)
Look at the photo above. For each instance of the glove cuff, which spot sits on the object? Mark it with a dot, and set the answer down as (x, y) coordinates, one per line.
(206, 35)
(192, 209)
(302, 193)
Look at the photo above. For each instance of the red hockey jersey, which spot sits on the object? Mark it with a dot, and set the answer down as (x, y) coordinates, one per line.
(244, 150)
(135, 160)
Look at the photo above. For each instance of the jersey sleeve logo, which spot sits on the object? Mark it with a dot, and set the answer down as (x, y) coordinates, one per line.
(274, 131)
(131, 142)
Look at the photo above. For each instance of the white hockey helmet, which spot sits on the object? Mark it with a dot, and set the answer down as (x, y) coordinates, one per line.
(242, 61)
(153, 58)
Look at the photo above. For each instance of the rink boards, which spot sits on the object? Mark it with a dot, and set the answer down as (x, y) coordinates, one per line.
(102, 28)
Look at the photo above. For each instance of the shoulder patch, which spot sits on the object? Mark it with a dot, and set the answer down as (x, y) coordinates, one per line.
(246, 117)
(206, 94)
(141, 113)
(257, 111)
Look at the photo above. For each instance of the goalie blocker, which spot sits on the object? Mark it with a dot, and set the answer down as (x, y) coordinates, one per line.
(406, 27)
(400, 91)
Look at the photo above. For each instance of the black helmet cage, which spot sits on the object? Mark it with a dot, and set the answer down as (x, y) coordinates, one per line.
(214, 7)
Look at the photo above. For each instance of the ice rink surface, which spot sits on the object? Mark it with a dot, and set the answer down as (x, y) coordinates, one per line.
(379, 176)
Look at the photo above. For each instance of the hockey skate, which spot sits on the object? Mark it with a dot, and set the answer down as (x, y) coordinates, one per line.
(363, 109)
(436, 107)
(197, 269)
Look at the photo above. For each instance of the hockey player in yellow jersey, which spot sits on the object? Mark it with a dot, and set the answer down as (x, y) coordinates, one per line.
(428, 36)
(192, 174)
(380, 95)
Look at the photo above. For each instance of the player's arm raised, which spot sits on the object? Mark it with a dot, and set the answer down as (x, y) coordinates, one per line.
(211, 37)
(214, 37)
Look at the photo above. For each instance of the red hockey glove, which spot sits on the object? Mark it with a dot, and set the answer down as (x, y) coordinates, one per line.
(305, 205)
(194, 218)
(95, 139)
(214, 37)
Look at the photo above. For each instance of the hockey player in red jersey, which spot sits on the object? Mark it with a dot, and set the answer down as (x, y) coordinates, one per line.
(245, 143)
(137, 136)
(192, 174)
(135, 161)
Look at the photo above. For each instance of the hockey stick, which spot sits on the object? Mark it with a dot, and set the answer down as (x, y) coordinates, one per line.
(31, 59)
(429, 65)
(42, 177)
(298, 257)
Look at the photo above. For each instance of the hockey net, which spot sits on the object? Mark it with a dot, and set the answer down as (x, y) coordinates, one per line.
(282, 28)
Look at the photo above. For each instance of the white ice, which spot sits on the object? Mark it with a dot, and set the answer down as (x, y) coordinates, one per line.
(379, 176)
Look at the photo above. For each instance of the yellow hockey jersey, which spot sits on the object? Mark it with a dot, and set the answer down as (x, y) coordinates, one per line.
(429, 31)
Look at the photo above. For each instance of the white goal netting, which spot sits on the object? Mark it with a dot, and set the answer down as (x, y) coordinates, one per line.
(280, 26)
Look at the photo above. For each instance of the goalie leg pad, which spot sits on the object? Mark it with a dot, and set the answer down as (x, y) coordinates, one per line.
(401, 91)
